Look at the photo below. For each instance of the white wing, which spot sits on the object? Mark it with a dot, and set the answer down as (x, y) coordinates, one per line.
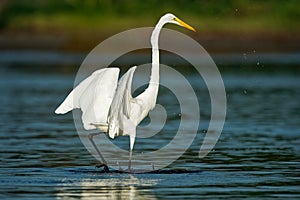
(93, 96)
(119, 116)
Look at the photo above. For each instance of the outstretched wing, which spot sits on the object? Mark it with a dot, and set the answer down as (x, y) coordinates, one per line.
(93, 96)
(119, 115)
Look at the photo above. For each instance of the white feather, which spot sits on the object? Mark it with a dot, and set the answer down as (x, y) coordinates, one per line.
(116, 112)
(93, 96)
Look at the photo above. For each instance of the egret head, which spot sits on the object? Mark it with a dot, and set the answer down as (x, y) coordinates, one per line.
(170, 18)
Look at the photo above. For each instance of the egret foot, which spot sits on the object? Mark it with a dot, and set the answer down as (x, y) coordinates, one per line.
(129, 170)
(105, 167)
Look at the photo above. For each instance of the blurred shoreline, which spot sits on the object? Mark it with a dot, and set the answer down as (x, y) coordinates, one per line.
(78, 26)
(212, 42)
(251, 34)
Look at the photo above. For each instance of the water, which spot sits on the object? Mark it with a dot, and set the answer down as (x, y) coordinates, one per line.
(257, 155)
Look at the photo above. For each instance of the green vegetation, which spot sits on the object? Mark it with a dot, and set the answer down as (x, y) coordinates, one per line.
(77, 25)
(111, 15)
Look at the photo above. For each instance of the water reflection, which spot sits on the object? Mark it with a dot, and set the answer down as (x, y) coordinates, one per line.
(109, 187)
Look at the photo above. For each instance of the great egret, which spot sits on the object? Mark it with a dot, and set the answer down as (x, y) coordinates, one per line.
(107, 105)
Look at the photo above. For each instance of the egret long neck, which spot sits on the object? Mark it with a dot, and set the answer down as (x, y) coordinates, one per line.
(154, 79)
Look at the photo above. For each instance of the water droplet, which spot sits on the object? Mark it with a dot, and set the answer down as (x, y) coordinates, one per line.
(236, 10)
(245, 91)
(254, 51)
(258, 63)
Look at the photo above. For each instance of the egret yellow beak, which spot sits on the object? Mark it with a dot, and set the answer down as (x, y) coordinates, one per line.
(182, 23)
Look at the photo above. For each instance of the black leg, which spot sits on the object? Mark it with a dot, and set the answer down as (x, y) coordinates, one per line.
(129, 163)
(104, 163)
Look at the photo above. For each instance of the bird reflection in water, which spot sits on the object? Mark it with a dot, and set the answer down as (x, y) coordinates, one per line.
(116, 187)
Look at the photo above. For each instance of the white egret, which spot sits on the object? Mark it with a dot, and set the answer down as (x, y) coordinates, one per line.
(107, 105)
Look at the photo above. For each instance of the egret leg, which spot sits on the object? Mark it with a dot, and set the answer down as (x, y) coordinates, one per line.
(104, 163)
(132, 139)
(129, 162)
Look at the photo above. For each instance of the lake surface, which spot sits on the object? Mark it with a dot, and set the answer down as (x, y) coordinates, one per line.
(256, 157)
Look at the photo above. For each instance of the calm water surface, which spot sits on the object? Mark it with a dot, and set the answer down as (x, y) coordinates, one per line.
(257, 156)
